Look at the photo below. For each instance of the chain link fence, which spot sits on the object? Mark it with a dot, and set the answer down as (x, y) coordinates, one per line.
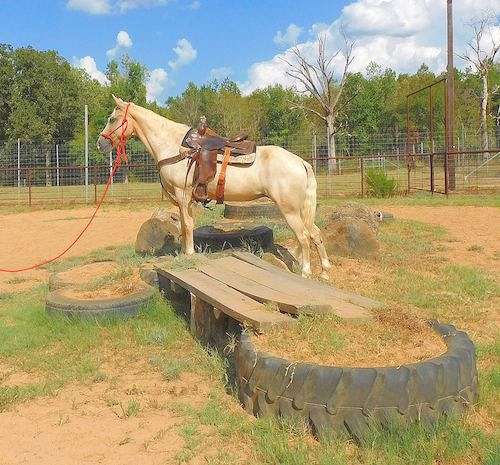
(36, 174)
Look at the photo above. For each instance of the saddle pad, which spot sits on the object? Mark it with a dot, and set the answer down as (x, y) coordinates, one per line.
(238, 160)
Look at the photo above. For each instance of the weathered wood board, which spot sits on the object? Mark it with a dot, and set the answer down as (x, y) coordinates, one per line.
(226, 299)
(323, 290)
(291, 295)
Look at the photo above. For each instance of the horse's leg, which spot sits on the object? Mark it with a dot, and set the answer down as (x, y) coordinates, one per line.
(183, 199)
(320, 246)
(296, 224)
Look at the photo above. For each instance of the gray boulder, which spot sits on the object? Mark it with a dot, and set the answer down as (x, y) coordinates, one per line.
(356, 211)
(159, 235)
(351, 237)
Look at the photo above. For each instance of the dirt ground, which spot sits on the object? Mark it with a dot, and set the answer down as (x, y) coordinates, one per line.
(475, 232)
(85, 424)
(89, 425)
(28, 238)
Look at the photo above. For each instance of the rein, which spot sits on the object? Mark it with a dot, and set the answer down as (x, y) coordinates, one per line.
(121, 155)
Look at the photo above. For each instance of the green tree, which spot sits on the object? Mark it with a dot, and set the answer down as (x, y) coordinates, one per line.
(6, 83)
(278, 123)
(46, 99)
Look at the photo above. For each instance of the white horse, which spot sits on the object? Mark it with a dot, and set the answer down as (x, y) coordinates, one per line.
(276, 174)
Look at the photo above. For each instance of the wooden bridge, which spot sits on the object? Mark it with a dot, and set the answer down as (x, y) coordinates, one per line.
(251, 291)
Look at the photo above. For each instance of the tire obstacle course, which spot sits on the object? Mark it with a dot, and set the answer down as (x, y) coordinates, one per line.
(345, 400)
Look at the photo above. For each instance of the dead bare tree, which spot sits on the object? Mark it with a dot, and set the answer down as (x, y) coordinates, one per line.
(481, 53)
(318, 80)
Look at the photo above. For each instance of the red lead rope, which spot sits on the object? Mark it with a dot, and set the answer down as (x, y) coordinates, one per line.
(121, 155)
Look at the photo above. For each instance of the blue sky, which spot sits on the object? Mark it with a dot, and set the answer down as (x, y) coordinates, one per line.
(239, 38)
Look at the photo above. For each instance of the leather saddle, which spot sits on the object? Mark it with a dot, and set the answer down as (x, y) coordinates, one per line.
(205, 145)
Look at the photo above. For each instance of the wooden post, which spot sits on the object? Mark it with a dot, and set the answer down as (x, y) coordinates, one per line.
(431, 165)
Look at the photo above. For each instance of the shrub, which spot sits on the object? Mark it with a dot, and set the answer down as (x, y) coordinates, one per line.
(379, 184)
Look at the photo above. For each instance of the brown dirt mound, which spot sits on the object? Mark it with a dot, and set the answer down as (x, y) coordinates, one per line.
(393, 338)
(118, 283)
(83, 274)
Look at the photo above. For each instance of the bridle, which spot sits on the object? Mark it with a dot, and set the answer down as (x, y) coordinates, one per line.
(121, 147)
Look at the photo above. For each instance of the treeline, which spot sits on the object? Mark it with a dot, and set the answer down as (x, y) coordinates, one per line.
(42, 98)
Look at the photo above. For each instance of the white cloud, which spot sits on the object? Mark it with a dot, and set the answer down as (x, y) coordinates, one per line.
(125, 5)
(89, 65)
(156, 83)
(185, 52)
(289, 38)
(94, 7)
(221, 73)
(400, 34)
(196, 5)
(102, 7)
(123, 41)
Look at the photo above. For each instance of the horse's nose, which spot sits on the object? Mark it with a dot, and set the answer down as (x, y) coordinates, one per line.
(103, 144)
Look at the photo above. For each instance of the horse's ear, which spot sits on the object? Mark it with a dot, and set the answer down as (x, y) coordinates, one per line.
(118, 101)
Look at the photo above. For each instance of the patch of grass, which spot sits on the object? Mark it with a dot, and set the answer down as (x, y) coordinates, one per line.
(208, 216)
(427, 199)
(191, 436)
(131, 410)
(406, 239)
(122, 272)
(170, 369)
(186, 262)
(16, 280)
(10, 395)
(124, 255)
(475, 248)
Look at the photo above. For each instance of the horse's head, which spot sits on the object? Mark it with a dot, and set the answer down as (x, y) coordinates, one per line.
(120, 124)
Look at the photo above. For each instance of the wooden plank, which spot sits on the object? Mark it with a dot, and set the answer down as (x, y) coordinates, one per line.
(226, 299)
(301, 290)
(286, 302)
(324, 289)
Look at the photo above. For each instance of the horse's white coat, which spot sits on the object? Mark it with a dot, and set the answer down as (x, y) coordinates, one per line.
(276, 173)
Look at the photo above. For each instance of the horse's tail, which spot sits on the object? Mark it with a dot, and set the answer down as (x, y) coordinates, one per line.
(308, 209)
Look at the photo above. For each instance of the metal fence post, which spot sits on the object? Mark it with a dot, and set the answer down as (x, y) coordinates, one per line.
(362, 169)
(57, 165)
(30, 179)
(18, 163)
(408, 179)
(94, 169)
(86, 152)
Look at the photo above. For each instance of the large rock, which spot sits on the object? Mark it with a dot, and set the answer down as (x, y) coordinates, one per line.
(350, 237)
(159, 235)
(355, 211)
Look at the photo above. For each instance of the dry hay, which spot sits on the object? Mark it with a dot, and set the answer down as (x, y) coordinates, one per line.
(392, 338)
(119, 283)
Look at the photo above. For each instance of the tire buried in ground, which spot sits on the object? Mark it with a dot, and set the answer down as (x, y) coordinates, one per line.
(59, 304)
(210, 239)
(351, 400)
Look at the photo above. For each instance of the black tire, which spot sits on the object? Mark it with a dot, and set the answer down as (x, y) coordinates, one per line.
(250, 211)
(349, 400)
(207, 238)
(130, 305)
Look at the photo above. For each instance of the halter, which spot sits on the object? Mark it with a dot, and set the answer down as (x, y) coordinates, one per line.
(121, 148)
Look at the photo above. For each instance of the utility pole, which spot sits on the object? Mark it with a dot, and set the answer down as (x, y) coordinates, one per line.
(86, 154)
(449, 162)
